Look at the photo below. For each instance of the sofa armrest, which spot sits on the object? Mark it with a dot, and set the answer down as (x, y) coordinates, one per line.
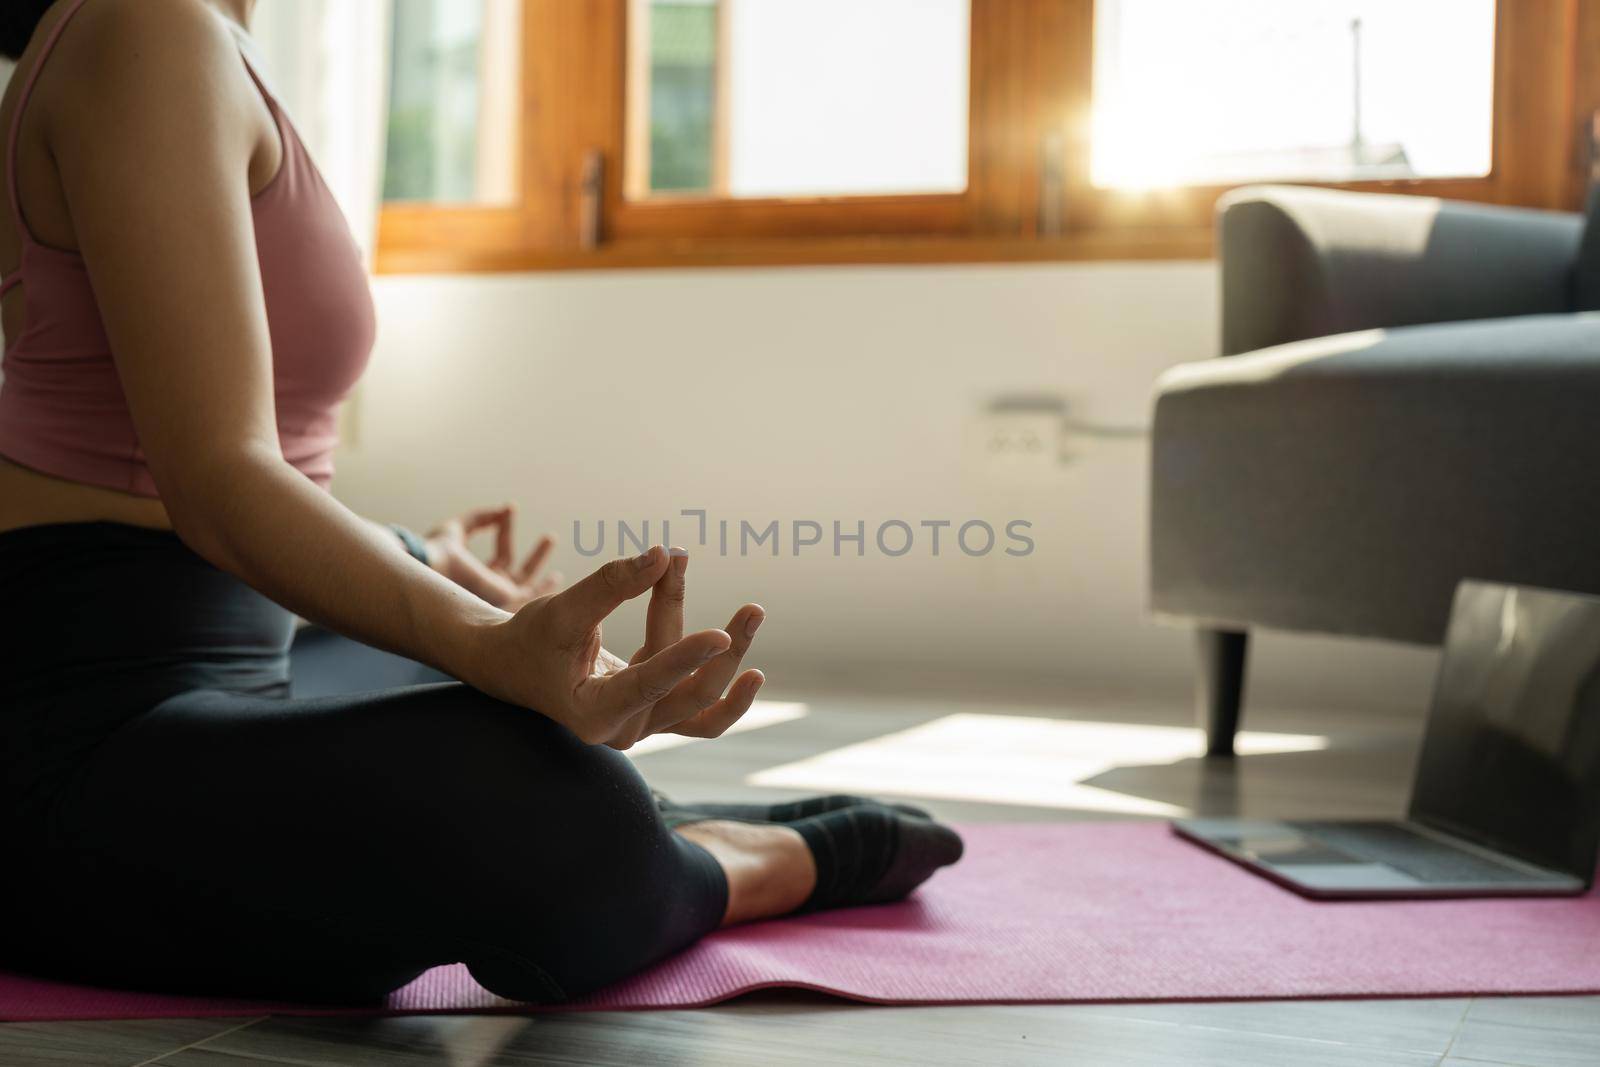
(1346, 484)
(1303, 262)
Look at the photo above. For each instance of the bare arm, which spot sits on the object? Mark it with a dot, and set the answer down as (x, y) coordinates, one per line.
(153, 140)
(153, 145)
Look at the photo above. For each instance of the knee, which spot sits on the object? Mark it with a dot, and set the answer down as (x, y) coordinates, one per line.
(536, 777)
(544, 764)
(599, 927)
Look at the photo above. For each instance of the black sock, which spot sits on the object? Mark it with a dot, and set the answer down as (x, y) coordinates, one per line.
(868, 854)
(790, 811)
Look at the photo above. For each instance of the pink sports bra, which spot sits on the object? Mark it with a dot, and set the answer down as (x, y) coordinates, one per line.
(62, 410)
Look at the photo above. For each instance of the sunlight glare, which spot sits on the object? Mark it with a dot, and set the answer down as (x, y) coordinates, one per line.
(762, 713)
(1245, 90)
(1013, 759)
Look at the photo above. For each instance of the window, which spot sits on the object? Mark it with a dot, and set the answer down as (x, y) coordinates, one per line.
(453, 116)
(790, 98)
(1179, 100)
(590, 133)
(679, 120)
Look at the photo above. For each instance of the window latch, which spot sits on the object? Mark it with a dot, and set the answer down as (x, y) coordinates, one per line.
(591, 200)
(1052, 183)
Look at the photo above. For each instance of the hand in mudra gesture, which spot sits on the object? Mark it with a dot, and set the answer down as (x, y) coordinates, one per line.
(549, 657)
(500, 580)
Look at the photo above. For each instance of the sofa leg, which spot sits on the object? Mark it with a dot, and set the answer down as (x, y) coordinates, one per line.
(1220, 686)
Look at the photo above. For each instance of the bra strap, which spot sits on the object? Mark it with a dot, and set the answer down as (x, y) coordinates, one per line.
(22, 105)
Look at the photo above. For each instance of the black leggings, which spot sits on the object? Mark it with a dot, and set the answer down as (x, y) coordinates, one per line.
(177, 820)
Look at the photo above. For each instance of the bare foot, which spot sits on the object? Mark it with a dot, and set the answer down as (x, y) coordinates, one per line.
(770, 870)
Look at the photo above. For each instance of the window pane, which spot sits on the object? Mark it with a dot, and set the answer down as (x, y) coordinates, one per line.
(1221, 91)
(453, 94)
(751, 98)
(683, 90)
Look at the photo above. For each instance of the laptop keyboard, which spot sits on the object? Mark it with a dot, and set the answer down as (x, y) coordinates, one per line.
(1406, 850)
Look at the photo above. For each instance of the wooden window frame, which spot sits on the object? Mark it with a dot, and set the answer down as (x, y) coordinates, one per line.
(1029, 196)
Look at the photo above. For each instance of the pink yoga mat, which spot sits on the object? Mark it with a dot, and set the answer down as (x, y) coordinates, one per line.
(1045, 913)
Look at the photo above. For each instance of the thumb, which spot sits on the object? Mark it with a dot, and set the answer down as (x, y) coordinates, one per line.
(586, 604)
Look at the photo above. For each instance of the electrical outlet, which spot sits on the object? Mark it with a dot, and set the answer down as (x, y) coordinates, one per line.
(1022, 436)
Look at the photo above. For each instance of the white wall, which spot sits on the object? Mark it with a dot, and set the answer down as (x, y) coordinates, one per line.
(833, 393)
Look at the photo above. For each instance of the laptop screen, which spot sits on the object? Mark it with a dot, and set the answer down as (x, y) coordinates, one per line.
(1511, 757)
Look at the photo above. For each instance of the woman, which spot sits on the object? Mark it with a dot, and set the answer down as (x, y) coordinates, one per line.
(184, 310)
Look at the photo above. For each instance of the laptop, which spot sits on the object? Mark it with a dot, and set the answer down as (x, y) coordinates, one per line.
(1506, 800)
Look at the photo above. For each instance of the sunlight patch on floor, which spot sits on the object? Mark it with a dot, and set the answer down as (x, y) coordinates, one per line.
(762, 713)
(1013, 759)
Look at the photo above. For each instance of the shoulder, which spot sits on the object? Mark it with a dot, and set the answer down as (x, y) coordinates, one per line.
(145, 72)
(147, 22)
(115, 47)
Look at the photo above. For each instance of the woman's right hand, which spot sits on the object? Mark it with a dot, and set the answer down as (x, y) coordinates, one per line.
(499, 580)
(548, 657)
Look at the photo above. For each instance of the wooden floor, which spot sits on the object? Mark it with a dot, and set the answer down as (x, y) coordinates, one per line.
(1127, 760)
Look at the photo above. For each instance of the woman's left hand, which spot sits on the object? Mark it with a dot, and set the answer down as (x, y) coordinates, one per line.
(497, 580)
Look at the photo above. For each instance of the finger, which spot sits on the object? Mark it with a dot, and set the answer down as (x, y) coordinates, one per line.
(701, 690)
(582, 607)
(636, 689)
(663, 620)
(499, 518)
(629, 734)
(502, 539)
(546, 585)
(541, 552)
(707, 684)
(482, 518)
(720, 717)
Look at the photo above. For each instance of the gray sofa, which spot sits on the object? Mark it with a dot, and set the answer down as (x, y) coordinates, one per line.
(1418, 401)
